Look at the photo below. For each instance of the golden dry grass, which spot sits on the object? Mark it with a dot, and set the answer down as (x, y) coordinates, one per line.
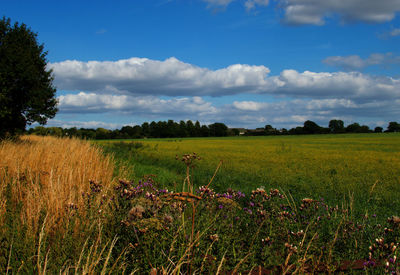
(45, 174)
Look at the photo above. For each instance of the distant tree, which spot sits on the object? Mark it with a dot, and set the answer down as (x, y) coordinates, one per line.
(162, 130)
(27, 93)
(173, 128)
(102, 133)
(182, 129)
(310, 127)
(146, 129)
(71, 132)
(197, 129)
(378, 129)
(218, 129)
(364, 129)
(86, 133)
(297, 131)
(393, 127)
(234, 132)
(336, 126)
(153, 131)
(55, 131)
(353, 128)
(128, 131)
(190, 128)
(137, 131)
(40, 131)
(204, 131)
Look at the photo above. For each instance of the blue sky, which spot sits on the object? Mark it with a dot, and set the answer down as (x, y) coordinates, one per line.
(246, 63)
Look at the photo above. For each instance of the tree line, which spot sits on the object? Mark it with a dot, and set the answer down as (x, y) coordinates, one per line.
(172, 129)
(160, 129)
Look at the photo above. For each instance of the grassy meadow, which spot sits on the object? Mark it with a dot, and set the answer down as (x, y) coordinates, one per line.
(362, 167)
(281, 205)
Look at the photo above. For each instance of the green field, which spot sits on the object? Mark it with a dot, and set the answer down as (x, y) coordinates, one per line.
(363, 169)
(327, 204)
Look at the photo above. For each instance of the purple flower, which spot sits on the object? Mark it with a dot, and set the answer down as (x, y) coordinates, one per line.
(220, 206)
(251, 204)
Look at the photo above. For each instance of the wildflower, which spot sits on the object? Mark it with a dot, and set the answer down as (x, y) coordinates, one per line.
(307, 200)
(220, 206)
(266, 241)
(136, 212)
(214, 237)
(291, 248)
(394, 220)
(168, 219)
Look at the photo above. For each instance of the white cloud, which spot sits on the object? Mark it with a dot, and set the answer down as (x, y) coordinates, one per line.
(83, 124)
(352, 85)
(285, 113)
(248, 105)
(355, 62)
(293, 113)
(315, 12)
(148, 105)
(251, 4)
(144, 77)
(395, 32)
(299, 12)
(132, 88)
(218, 3)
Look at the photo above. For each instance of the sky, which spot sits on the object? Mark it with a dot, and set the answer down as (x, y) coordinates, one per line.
(246, 63)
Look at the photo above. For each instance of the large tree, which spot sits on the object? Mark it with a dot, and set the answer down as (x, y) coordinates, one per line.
(310, 127)
(336, 126)
(27, 93)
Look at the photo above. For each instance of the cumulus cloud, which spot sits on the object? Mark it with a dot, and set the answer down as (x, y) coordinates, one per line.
(144, 77)
(355, 62)
(83, 124)
(353, 85)
(148, 105)
(299, 12)
(171, 89)
(294, 112)
(285, 113)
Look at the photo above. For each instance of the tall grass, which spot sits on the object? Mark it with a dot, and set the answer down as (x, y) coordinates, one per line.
(49, 174)
(45, 197)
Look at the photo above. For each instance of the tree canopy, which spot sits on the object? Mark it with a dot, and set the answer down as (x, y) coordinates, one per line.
(27, 93)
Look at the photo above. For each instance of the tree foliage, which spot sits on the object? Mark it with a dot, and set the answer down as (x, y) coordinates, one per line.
(27, 93)
(393, 127)
(336, 126)
(172, 129)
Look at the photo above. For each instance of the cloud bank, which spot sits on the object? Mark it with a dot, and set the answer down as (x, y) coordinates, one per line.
(315, 12)
(147, 89)
(145, 77)
(299, 12)
(355, 62)
(142, 76)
